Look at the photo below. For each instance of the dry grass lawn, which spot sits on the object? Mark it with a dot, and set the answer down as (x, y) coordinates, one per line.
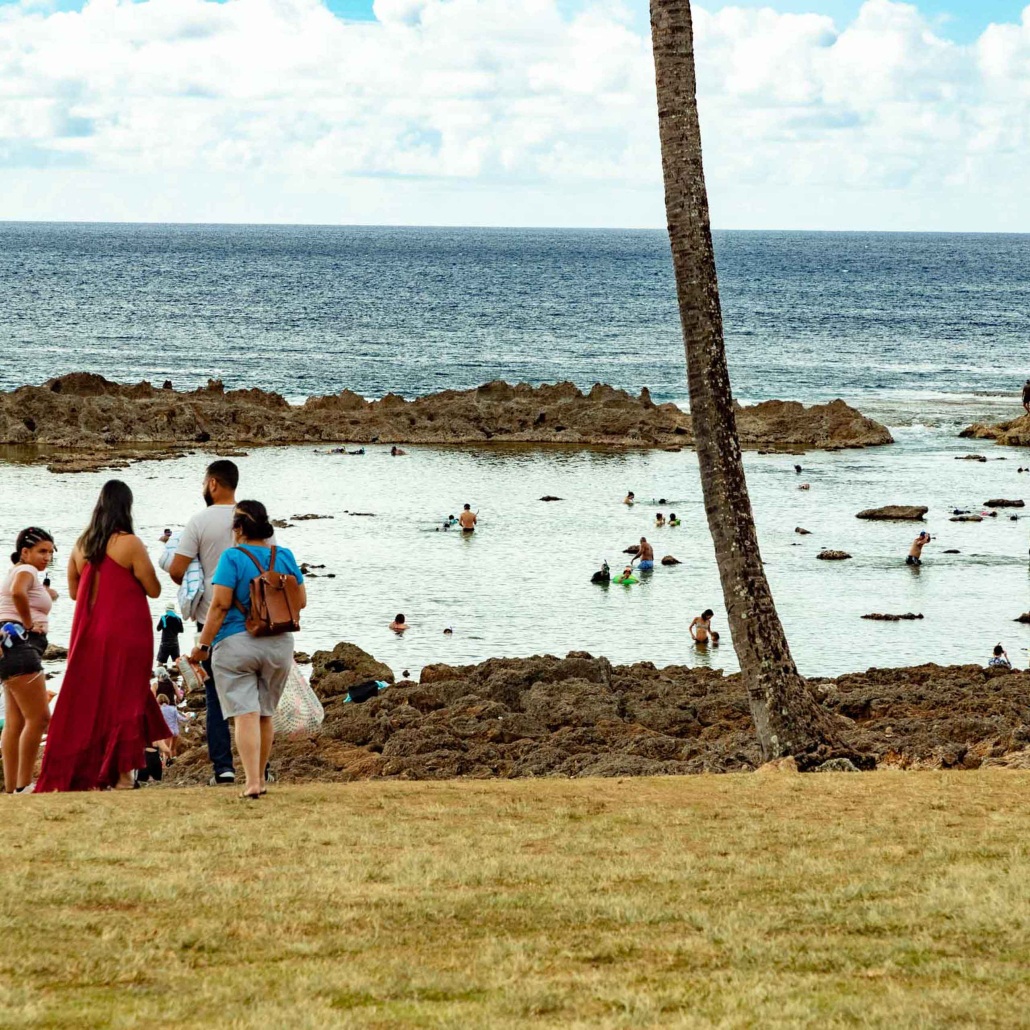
(883, 899)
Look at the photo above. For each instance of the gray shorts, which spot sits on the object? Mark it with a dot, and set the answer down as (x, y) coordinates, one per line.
(250, 672)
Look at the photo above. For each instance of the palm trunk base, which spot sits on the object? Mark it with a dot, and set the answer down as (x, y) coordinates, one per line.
(790, 721)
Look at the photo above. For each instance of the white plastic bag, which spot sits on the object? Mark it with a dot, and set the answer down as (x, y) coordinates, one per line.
(299, 711)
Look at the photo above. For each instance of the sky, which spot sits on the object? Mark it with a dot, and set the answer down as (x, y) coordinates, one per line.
(815, 114)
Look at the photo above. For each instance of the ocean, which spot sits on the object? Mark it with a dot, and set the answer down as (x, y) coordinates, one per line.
(315, 309)
(924, 332)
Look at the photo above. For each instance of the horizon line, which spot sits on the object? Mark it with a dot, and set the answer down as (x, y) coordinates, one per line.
(500, 228)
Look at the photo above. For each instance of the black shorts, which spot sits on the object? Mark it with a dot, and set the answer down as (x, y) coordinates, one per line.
(166, 651)
(912, 560)
(23, 657)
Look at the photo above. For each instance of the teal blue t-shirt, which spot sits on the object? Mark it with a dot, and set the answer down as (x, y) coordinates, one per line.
(235, 570)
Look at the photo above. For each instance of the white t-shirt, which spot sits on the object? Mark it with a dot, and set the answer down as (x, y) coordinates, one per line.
(206, 536)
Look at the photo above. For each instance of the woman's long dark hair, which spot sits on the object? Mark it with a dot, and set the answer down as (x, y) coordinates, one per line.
(113, 514)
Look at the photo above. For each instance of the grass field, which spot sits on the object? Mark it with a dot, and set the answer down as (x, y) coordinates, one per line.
(883, 899)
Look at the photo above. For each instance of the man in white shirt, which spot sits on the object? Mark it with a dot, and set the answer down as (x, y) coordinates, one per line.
(206, 536)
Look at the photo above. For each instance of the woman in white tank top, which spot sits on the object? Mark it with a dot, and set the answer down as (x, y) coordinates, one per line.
(25, 605)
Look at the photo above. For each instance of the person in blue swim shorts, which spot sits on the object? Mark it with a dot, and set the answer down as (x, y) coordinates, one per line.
(645, 555)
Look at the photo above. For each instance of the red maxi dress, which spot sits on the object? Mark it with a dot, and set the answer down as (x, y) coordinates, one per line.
(106, 713)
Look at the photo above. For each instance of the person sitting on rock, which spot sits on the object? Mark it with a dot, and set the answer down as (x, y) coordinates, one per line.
(659, 520)
(1026, 396)
(701, 627)
(399, 625)
(915, 552)
(1000, 660)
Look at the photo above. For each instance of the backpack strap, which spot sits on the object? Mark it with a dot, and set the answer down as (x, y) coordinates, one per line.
(253, 557)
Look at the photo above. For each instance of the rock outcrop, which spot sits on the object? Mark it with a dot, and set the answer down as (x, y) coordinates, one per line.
(904, 512)
(882, 617)
(581, 716)
(89, 416)
(1014, 433)
(1002, 502)
(831, 555)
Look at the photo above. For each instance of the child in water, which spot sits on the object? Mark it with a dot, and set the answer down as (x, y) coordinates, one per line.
(627, 578)
(673, 521)
(659, 520)
(398, 625)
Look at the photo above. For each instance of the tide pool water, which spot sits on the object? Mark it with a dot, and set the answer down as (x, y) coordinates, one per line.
(521, 584)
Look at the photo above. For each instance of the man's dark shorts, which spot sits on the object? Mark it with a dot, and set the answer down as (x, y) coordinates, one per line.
(166, 652)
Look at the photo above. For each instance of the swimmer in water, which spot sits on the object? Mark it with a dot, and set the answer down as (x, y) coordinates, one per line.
(630, 499)
(915, 552)
(659, 520)
(673, 521)
(396, 452)
(399, 624)
(805, 486)
(701, 627)
(468, 519)
(645, 555)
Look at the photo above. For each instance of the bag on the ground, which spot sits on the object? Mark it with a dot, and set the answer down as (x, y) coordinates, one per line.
(362, 692)
(299, 710)
(274, 600)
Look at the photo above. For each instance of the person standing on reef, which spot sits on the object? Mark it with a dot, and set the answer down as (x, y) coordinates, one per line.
(645, 555)
(915, 552)
(25, 605)
(106, 715)
(1026, 396)
(170, 627)
(207, 536)
(468, 519)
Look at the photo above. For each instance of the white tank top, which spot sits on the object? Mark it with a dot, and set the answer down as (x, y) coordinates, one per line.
(39, 600)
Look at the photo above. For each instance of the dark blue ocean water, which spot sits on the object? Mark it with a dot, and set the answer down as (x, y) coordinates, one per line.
(304, 309)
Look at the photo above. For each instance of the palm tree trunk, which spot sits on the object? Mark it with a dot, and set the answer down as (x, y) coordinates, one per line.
(788, 719)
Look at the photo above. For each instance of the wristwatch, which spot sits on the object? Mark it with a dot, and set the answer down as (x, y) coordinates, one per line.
(204, 647)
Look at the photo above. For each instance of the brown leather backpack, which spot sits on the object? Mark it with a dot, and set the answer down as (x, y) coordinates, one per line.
(274, 600)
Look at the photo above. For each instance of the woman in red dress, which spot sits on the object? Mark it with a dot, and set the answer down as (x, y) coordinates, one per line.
(106, 713)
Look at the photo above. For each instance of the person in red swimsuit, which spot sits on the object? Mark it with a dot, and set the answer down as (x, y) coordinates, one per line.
(106, 713)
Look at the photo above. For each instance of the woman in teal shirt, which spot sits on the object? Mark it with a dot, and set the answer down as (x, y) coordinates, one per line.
(250, 672)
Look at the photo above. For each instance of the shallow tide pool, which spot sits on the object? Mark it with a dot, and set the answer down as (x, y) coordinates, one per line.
(521, 584)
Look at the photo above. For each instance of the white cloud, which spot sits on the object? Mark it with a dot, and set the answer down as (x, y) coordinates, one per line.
(492, 111)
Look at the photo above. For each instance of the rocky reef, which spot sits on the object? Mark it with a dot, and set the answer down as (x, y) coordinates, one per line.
(580, 716)
(1014, 433)
(82, 418)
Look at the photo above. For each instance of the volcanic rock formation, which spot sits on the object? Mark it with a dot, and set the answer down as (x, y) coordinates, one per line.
(83, 412)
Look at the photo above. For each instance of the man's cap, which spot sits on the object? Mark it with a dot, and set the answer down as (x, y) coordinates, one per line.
(169, 607)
